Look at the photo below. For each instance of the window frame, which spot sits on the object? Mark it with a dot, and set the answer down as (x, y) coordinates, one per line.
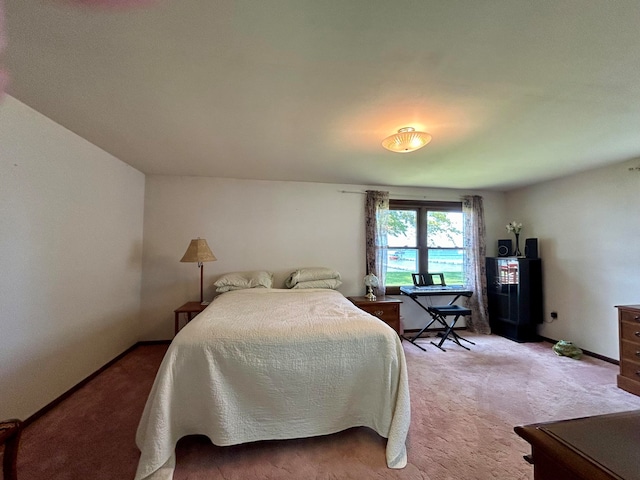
(421, 207)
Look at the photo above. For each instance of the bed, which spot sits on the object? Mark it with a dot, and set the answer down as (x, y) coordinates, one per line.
(272, 364)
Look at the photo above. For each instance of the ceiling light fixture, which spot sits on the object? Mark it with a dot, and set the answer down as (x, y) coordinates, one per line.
(406, 140)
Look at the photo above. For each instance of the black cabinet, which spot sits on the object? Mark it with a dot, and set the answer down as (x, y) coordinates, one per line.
(514, 290)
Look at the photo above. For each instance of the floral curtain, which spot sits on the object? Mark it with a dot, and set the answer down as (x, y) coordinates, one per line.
(474, 263)
(376, 215)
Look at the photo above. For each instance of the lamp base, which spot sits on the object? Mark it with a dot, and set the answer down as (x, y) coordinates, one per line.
(370, 296)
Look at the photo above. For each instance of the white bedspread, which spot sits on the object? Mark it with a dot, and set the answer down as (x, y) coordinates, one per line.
(266, 364)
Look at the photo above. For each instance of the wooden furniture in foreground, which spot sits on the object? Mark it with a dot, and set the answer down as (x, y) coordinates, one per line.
(629, 331)
(190, 309)
(10, 431)
(385, 308)
(603, 447)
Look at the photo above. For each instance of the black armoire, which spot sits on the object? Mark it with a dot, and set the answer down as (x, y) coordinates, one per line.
(514, 290)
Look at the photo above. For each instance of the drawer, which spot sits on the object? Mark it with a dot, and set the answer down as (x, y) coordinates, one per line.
(631, 316)
(386, 313)
(630, 369)
(629, 351)
(630, 331)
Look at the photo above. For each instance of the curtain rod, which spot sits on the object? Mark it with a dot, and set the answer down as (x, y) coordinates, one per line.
(391, 194)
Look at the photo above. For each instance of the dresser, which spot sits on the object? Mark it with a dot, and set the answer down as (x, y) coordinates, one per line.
(602, 447)
(629, 331)
(385, 308)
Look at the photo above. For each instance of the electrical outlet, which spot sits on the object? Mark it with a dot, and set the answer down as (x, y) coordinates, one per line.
(554, 315)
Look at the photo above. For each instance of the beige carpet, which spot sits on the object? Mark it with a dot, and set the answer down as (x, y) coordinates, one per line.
(464, 407)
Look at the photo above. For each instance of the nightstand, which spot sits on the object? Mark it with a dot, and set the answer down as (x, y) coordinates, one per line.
(385, 308)
(190, 309)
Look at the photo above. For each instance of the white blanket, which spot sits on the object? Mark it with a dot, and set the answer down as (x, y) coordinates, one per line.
(266, 364)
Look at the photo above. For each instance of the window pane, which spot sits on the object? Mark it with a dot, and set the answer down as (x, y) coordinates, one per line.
(401, 228)
(449, 262)
(401, 264)
(444, 229)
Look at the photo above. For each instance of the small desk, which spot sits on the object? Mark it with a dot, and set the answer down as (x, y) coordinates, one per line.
(414, 293)
(191, 309)
(602, 447)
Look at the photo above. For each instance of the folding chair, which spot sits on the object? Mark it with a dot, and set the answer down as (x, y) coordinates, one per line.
(440, 314)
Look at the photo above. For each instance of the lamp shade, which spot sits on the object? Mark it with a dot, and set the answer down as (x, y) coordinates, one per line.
(371, 280)
(198, 251)
(406, 140)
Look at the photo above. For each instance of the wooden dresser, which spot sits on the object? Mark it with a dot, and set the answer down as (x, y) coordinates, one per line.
(385, 308)
(629, 331)
(602, 447)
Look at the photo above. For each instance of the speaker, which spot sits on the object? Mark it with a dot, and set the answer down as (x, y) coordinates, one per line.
(504, 248)
(531, 248)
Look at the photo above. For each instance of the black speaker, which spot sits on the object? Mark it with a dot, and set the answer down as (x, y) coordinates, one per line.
(504, 248)
(531, 248)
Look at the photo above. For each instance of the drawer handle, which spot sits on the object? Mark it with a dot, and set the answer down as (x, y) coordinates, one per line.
(379, 313)
(637, 334)
(638, 372)
(637, 318)
(638, 353)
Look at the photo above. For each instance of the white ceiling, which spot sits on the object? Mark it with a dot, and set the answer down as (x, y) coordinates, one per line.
(513, 91)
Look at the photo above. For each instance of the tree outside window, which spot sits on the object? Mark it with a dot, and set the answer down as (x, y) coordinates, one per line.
(424, 237)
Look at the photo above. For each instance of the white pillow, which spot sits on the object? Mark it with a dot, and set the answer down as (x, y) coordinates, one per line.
(310, 274)
(326, 283)
(241, 280)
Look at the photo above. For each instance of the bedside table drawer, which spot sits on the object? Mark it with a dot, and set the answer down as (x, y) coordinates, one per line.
(385, 313)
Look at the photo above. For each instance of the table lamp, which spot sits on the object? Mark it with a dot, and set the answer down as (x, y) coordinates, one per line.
(199, 251)
(371, 282)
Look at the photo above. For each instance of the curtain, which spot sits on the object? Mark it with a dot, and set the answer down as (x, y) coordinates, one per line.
(4, 76)
(376, 215)
(475, 251)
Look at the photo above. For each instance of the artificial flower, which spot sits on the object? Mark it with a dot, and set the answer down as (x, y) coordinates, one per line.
(514, 227)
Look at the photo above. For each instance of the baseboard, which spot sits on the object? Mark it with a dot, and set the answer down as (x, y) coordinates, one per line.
(83, 382)
(586, 352)
(153, 342)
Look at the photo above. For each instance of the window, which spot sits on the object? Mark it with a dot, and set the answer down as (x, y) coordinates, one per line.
(424, 237)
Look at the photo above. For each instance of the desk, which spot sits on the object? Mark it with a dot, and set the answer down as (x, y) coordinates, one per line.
(414, 293)
(602, 447)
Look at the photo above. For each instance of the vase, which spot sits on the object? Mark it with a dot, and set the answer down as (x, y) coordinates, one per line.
(516, 251)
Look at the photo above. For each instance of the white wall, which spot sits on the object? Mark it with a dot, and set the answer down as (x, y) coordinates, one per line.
(259, 225)
(588, 228)
(70, 249)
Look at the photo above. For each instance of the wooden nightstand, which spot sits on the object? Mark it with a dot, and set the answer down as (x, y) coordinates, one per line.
(385, 308)
(190, 309)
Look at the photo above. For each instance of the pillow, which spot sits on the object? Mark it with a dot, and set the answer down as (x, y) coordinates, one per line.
(310, 274)
(325, 283)
(241, 280)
